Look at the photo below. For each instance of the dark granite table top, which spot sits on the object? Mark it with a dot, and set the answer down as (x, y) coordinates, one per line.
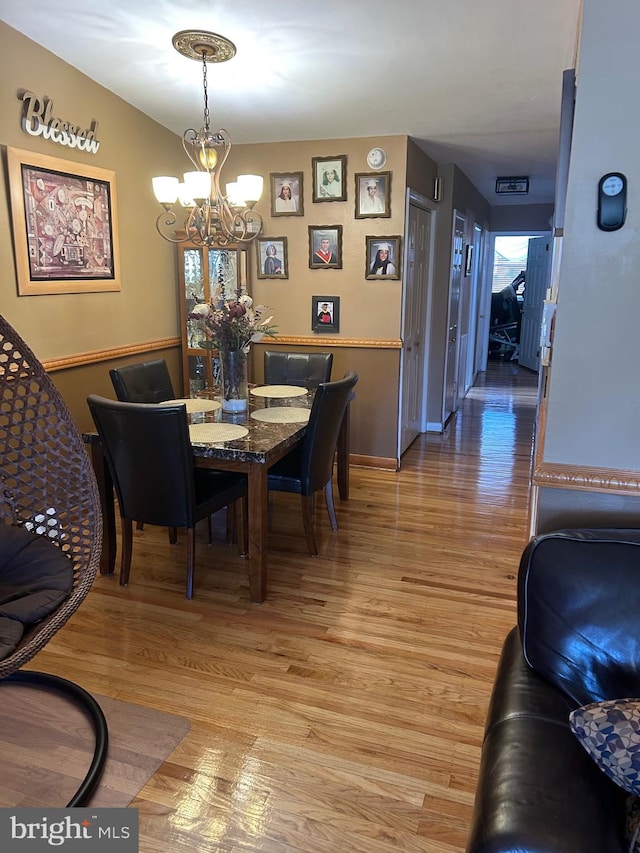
(262, 439)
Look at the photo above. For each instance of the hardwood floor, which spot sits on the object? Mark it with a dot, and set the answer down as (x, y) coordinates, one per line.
(346, 712)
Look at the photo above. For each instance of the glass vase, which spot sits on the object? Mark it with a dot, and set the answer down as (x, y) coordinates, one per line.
(233, 380)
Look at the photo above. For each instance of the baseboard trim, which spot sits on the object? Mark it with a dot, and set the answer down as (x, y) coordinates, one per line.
(434, 426)
(373, 462)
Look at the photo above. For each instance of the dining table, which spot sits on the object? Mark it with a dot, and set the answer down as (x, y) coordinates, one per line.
(250, 441)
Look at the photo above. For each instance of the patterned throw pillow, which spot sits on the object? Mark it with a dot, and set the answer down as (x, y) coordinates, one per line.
(610, 732)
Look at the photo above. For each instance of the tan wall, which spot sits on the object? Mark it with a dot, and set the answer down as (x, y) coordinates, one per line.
(135, 148)
(368, 309)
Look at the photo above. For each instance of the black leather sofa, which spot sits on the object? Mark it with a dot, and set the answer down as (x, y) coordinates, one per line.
(577, 641)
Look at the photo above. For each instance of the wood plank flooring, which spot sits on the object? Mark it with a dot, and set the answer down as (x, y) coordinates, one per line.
(346, 712)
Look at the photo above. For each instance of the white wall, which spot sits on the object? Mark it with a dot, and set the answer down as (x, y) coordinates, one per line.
(594, 394)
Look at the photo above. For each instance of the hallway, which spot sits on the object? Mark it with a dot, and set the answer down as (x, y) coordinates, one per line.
(346, 712)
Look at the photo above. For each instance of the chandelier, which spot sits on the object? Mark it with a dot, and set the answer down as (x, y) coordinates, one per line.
(211, 218)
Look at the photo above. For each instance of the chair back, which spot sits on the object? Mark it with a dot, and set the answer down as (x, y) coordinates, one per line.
(47, 484)
(297, 368)
(320, 439)
(150, 457)
(144, 382)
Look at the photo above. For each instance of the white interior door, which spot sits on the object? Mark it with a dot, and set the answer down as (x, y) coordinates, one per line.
(536, 284)
(453, 318)
(416, 280)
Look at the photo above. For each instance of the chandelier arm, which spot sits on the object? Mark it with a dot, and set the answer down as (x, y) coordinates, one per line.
(166, 220)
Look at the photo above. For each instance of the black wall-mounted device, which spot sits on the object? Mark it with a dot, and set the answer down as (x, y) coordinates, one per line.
(612, 201)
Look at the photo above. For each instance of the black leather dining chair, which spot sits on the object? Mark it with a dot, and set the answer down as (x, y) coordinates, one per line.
(144, 382)
(149, 454)
(309, 466)
(297, 368)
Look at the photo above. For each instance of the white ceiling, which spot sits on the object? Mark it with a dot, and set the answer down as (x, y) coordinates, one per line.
(474, 82)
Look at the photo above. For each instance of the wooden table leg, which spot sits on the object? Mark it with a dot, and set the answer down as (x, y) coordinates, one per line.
(105, 490)
(343, 447)
(258, 531)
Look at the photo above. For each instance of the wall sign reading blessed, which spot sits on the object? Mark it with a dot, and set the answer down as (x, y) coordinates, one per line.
(38, 120)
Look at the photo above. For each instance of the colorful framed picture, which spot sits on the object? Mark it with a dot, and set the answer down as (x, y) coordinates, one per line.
(382, 257)
(329, 178)
(373, 195)
(286, 194)
(325, 314)
(65, 225)
(325, 247)
(271, 253)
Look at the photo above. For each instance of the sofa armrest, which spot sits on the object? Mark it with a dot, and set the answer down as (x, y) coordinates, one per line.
(538, 790)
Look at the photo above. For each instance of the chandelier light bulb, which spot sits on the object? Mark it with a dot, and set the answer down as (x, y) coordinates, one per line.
(165, 189)
(197, 185)
(250, 187)
(183, 196)
(234, 196)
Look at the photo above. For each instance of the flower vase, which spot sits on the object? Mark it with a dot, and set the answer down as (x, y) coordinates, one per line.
(233, 379)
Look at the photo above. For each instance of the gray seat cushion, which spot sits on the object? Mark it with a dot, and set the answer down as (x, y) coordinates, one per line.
(35, 578)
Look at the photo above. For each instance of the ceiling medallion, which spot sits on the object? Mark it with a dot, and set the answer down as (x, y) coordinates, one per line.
(194, 43)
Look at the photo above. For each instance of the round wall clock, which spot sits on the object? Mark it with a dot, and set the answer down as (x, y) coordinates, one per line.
(376, 158)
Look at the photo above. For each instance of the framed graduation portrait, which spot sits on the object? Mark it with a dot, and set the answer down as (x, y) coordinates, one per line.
(373, 195)
(325, 247)
(271, 253)
(329, 178)
(325, 314)
(286, 194)
(382, 258)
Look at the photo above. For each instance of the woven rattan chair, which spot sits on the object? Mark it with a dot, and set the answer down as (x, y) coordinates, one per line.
(47, 487)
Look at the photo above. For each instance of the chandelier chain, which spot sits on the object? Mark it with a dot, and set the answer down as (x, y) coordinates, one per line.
(204, 85)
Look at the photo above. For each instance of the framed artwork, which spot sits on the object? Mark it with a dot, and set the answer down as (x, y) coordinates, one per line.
(65, 225)
(383, 257)
(373, 195)
(286, 194)
(325, 314)
(468, 259)
(329, 178)
(271, 253)
(325, 247)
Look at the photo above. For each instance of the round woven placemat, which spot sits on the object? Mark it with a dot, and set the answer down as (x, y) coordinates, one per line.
(282, 415)
(211, 433)
(279, 391)
(194, 404)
